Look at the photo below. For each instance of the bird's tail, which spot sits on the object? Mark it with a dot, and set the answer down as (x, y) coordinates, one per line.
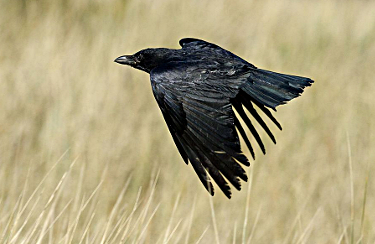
(272, 89)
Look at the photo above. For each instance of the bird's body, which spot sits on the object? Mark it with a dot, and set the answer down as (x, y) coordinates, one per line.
(197, 87)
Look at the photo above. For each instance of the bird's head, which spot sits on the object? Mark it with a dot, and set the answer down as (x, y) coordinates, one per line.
(147, 59)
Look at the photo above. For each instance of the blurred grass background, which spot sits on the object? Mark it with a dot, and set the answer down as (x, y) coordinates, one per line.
(85, 155)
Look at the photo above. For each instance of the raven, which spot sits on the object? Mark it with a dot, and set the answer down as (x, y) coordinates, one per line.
(197, 87)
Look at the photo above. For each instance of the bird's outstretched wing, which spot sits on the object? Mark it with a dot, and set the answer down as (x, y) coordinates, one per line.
(199, 115)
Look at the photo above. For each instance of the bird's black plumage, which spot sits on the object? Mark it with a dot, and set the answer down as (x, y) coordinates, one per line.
(197, 87)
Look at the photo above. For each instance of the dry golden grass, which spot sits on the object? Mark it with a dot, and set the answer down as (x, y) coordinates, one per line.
(85, 155)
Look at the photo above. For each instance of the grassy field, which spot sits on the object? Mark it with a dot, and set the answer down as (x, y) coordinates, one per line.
(85, 155)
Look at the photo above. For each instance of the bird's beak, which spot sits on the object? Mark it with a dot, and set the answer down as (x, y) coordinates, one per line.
(126, 60)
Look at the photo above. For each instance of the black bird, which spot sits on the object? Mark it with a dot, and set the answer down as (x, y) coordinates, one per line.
(197, 87)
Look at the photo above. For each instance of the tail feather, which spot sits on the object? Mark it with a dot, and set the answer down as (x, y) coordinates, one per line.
(272, 89)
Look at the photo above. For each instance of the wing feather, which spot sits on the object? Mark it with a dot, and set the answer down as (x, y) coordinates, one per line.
(203, 126)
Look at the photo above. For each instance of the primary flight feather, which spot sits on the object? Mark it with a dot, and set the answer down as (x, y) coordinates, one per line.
(197, 87)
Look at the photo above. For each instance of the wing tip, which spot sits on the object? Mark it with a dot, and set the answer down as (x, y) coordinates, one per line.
(188, 40)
